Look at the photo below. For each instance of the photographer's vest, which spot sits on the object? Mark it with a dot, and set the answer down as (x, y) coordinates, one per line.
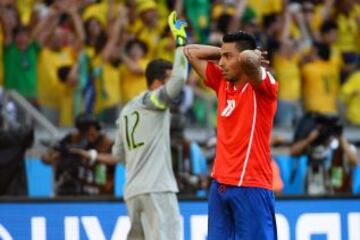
(340, 172)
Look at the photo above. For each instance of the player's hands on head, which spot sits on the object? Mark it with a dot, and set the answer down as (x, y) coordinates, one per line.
(249, 58)
(254, 57)
(177, 28)
(263, 57)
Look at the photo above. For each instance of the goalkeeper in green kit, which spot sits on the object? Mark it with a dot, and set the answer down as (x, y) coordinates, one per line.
(142, 143)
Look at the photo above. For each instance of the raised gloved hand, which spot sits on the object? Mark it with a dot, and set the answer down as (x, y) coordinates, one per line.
(177, 28)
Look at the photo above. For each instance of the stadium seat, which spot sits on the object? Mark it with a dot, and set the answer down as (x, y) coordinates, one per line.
(356, 180)
(293, 172)
(198, 160)
(39, 178)
(198, 164)
(119, 180)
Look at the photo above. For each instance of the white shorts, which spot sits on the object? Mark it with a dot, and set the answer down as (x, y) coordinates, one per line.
(154, 216)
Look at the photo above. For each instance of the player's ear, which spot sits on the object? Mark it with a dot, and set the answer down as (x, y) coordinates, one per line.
(240, 56)
(156, 83)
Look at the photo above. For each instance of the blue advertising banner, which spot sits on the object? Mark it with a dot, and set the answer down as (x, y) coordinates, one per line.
(301, 219)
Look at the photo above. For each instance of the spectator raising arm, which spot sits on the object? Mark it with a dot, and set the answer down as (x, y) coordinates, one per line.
(2, 16)
(115, 33)
(305, 40)
(8, 23)
(73, 11)
(43, 29)
(236, 19)
(327, 9)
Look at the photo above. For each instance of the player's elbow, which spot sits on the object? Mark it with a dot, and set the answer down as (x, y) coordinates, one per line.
(295, 150)
(190, 54)
(249, 63)
(186, 52)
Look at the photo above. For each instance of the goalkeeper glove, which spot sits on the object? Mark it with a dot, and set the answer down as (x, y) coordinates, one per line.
(177, 28)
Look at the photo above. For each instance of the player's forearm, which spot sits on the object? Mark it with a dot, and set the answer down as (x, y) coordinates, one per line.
(250, 65)
(179, 74)
(199, 55)
(299, 148)
(106, 158)
(196, 52)
(349, 150)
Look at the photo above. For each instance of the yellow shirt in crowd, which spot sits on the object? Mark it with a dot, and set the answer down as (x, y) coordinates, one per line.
(52, 92)
(49, 85)
(163, 50)
(336, 58)
(350, 93)
(162, 9)
(99, 11)
(132, 84)
(317, 18)
(25, 8)
(289, 77)
(151, 36)
(107, 85)
(347, 37)
(356, 14)
(320, 81)
(264, 7)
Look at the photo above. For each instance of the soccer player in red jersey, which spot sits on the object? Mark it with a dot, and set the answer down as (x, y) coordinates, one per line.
(241, 201)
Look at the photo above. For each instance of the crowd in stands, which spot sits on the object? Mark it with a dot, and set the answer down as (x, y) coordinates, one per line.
(71, 56)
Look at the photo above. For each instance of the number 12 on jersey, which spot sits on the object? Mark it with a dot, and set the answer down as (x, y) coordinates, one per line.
(130, 130)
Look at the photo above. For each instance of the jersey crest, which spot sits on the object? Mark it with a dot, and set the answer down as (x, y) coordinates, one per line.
(229, 108)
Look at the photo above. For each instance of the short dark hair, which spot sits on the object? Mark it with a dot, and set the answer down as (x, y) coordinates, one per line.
(223, 22)
(63, 73)
(84, 120)
(328, 26)
(135, 41)
(20, 29)
(243, 40)
(156, 69)
(269, 19)
(323, 50)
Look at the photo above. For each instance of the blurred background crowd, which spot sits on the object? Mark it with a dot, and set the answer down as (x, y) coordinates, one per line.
(68, 57)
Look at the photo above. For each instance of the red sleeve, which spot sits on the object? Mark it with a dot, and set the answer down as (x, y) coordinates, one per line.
(268, 86)
(213, 76)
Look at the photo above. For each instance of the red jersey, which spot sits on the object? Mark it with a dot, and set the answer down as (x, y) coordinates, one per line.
(244, 122)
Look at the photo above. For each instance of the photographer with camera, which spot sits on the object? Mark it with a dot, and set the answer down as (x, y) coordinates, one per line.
(15, 139)
(189, 163)
(74, 174)
(330, 155)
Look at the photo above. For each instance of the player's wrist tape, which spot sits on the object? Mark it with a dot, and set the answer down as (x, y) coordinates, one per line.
(180, 41)
(93, 155)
